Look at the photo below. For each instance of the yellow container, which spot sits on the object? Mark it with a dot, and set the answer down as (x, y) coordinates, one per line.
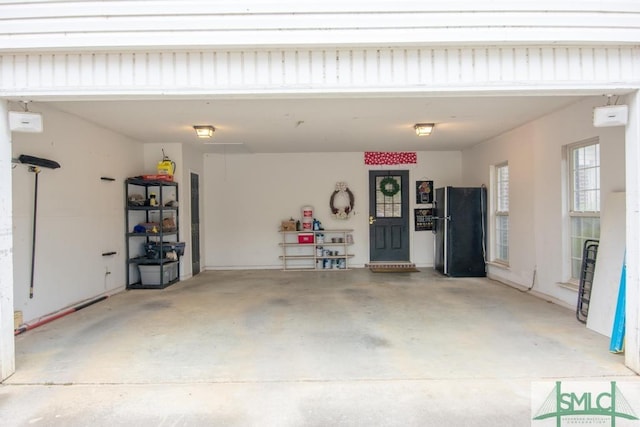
(166, 167)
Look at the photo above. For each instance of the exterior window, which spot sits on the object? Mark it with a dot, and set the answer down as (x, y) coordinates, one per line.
(501, 213)
(584, 198)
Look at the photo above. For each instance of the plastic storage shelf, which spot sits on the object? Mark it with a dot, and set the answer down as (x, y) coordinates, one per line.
(319, 250)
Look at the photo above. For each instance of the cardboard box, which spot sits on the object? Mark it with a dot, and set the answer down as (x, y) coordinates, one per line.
(305, 238)
(288, 226)
(168, 224)
(17, 319)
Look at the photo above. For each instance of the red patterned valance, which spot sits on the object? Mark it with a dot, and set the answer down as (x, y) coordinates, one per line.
(389, 158)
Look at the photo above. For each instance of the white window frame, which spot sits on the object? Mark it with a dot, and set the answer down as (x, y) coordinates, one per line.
(574, 213)
(500, 213)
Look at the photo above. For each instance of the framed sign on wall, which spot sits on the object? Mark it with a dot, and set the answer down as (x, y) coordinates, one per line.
(424, 192)
(423, 219)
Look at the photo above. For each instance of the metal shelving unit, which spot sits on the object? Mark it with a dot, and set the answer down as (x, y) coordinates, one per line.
(138, 264)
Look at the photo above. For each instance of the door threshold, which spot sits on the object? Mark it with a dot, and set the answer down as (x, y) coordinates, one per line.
(398, 265)
(376, 263)
(392, 267)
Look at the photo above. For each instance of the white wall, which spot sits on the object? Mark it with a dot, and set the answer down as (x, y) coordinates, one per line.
(79, 215)
(7, 344)
(632, 157)
(247, 195)
(537, 217)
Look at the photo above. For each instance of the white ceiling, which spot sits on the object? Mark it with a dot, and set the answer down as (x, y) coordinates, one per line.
(318, 124)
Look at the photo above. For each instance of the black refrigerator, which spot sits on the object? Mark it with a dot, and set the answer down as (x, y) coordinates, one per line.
(460, 231)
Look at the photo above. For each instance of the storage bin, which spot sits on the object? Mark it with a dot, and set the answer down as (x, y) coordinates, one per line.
(305, 237)
(157, 250)
(150, 273)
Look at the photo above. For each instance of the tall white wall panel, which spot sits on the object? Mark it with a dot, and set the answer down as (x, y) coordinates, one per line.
(319, 71)
(7, 344)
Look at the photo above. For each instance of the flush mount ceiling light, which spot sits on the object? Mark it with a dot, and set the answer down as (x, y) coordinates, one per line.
(204, 131)
(423, 129)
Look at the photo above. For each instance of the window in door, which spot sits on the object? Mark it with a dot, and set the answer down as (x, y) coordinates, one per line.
(389, 196)
(584, 198)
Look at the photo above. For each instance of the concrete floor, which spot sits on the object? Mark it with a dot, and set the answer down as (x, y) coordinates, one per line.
(303, 349)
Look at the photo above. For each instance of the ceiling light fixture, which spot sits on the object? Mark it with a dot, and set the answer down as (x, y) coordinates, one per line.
(423, 129)
(204, 131)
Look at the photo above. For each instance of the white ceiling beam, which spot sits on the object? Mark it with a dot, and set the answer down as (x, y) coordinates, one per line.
(320, 71)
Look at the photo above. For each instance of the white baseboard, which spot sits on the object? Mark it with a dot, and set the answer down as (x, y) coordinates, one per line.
(532, 292)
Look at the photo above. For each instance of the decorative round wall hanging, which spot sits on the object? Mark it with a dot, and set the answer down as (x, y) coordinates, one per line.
(389, 186)
(342, 201)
